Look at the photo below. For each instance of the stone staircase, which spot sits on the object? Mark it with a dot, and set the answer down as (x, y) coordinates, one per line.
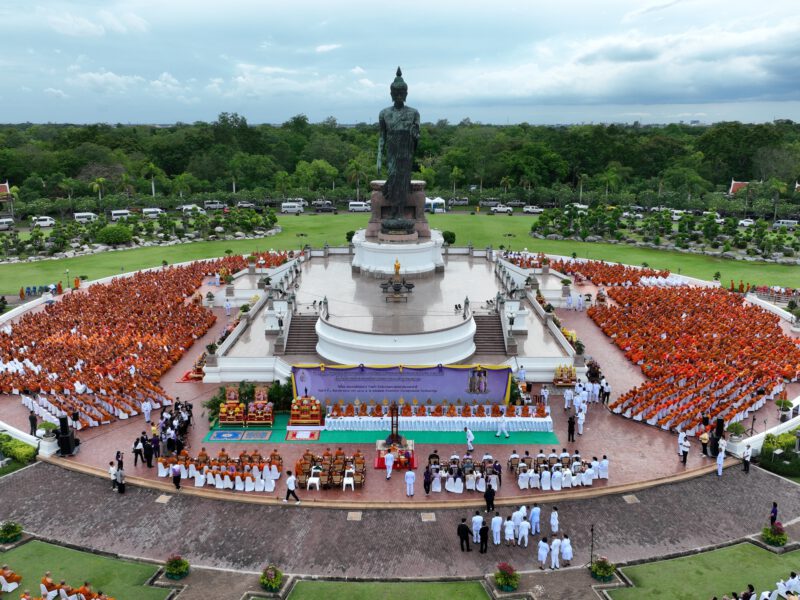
(489, 336)
(302, 335)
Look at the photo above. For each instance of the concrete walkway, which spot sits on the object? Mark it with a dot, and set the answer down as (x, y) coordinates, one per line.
(80, 509)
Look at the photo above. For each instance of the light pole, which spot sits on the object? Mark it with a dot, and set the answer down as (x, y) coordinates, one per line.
(66, 274)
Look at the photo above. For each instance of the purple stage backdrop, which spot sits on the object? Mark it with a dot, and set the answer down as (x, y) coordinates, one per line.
(466, 382)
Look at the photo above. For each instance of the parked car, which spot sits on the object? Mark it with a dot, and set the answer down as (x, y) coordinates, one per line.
(213, 205)
(515, 203)
(490, 202)
(532, 210)
(85, 217)
(191, 208)
(458, 201)
(6, 224)
(291, 208)
(746, 223)
(632, 215)
(359, 207)
(502, 208)
(43, 221)
(326, 207)
(119, 215)
(151, 213)
(790, 224)
(243, 204)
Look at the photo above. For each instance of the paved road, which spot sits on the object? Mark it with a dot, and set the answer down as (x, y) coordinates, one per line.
(81, 509)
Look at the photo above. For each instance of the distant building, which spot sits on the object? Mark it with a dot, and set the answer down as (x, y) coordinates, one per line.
(5, 192)
(736, 186)
(796, 187)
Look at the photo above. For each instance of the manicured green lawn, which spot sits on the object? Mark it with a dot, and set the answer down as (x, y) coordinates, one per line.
(482, 230)
(11, 467)
(118, 578)
(708, 574)
(334, 590)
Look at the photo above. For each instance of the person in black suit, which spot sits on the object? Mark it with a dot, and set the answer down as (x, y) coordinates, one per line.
(571, 428)
(484, 533)
(488, 495)
(463, 535)
(33, 423)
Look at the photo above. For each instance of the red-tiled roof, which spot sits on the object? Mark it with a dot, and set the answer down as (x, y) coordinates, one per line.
(4, 189)
(736, 186)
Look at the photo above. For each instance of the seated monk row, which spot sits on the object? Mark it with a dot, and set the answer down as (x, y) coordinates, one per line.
(439, 410)
(85, 589)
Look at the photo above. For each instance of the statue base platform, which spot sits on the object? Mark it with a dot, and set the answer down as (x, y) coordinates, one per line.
(414, 209)
(416, 257)
(398, 237)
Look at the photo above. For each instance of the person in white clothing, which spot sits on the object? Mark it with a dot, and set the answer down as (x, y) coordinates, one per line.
(508, 531)
(410, 479)
(555, 552)
(502, 424)
(291, 485)
(535, 512)
(554, 520)
(389, 460)
(524, 530)
(566, 550)
(543, 550)
(516, 518)
(470, 438)
(720, 461)
(581, 421)
(497, 526)
(228, 307)
(567, 398)
(545, 394)
(477, 521)
(147, 408)
(681, 439)
(596, 392)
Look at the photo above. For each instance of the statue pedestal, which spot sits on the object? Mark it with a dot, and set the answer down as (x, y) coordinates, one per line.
(416, 257)
(414, 209)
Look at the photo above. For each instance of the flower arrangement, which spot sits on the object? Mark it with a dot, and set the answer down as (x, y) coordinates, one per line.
(506, 577)
(10, 531)
(775, 535)
(271, 578)
(176, 567)
(603, 569)
(736, 428)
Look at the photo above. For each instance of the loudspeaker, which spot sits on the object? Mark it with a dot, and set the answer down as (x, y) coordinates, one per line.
(64, 425)
(75, 416)
(720, 428)
(66, 443)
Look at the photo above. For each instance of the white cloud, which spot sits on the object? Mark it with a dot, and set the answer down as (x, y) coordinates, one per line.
(651, 8)
(357, 70)
(327, 48)
(366, 82)
(123, 23)
(106, 81)
(69, 24)
(56, 92)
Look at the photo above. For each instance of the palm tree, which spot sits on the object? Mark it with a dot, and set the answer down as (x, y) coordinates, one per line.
(150, 171)
(97, 186)
(525, 182)
(506, 182)
(182, 183)
(582, 178)
(355, 171)
(778, 189)
(126, 183)
(456, 174)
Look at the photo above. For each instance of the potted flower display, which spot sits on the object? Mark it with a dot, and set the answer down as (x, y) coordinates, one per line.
(603, 569)
(785, 407)
(775, 535)
(49, 429)
(176, 567)
(271, 578)
(565, 291)
(506, 577)
(209, 299)
(10, 532)
(736, 430)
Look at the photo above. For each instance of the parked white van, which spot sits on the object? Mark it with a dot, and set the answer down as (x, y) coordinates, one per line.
(151, 213)
(191, 208)
(790, 224)
(291, 207)
(6, 224)
(359, 207)
(86, 217)
(44, 222)
(116, 215)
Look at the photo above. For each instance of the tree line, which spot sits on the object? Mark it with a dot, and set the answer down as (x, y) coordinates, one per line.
(56, 168)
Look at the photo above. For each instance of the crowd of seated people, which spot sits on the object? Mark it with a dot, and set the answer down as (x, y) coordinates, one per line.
(247, 472)
(603, 273)
(439, 410)
(788, 589)
(331, 470)
(50, 590)
(464, 472)
(556, 471)
(9, 580)
(101, 352)
(705, 352)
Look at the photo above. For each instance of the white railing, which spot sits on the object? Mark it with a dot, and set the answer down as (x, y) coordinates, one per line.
(768, 306)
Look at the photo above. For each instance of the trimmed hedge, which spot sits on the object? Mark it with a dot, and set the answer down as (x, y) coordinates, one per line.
(19, 451)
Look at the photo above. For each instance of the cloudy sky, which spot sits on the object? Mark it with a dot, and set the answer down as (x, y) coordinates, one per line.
(504, 61)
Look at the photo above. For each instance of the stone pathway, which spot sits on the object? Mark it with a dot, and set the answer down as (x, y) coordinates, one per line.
(80, 509)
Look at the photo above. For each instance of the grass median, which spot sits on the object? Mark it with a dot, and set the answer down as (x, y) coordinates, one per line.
(482, 230)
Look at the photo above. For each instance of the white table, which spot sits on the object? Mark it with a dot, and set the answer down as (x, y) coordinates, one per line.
(437, 424)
